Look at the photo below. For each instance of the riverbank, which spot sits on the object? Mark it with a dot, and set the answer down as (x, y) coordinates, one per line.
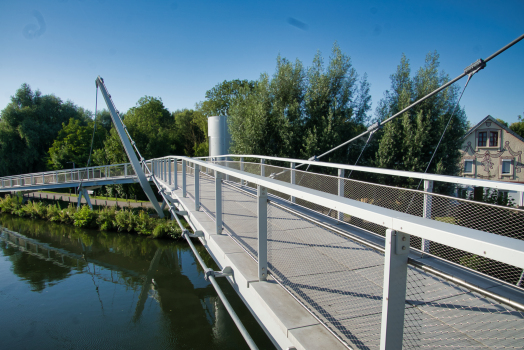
(110, 218)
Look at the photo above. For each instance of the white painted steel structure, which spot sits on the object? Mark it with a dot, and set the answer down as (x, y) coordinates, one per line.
(400, 227)
(263, 210)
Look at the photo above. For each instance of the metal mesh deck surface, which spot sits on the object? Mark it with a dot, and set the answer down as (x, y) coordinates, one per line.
(340, 282)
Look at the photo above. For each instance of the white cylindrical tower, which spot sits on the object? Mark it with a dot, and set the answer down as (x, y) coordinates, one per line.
(218, 133)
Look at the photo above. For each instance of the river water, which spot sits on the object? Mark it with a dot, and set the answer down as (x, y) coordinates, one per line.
(67, 288)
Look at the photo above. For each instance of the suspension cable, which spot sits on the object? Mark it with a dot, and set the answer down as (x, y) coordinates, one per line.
(92, 140)
(474, 67)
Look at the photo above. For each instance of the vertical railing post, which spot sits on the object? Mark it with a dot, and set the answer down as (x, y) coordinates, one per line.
(125, 170)
(394, 291)
(169, 171)
(56, 177)
(292, 180)
(175, 173)
(184, 178)
(262, 167)
(262, 232)
(428, 187)
(32, 179)
(164, 173)
(197, 186)
(341, 183)
(241, 169)
(218, 202)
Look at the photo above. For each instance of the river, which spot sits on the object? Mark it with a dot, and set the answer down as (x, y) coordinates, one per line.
(67, 288)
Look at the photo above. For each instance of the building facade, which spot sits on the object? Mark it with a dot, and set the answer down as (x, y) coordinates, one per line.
(491, 151)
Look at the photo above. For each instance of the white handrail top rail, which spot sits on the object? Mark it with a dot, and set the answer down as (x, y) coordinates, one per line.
(500, 248)
(433, 177)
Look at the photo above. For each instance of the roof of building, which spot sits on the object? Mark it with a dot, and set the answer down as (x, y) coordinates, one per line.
(502, 126)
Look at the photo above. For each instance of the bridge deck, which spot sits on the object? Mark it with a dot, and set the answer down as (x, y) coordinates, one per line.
(339, 281)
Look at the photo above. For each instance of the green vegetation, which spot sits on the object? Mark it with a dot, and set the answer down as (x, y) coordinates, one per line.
(518, 127)
(105, 219)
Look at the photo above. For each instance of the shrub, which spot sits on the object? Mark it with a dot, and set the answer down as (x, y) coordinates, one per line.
(67, 215)
(85, 217)
(167, 228)
(144, 224)
(53, 213)
(125, 220)
(106, 219)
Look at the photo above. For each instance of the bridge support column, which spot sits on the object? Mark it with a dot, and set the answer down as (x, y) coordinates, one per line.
(184, 192)
(83, 192)
(341, 183)
(262, 232)
(197, 186)
(394, 292)
(428, 187)
(218, 202)
(292, 178)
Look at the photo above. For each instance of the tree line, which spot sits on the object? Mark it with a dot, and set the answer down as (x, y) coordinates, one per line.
(297, 112)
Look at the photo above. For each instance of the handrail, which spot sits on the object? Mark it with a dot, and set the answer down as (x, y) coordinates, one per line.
(52, 172)
(433, 177)
(489, 245)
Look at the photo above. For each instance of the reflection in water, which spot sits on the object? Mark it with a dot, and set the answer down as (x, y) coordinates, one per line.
(66, 287)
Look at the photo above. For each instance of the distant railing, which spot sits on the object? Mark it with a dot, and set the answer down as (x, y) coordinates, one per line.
(457, 230)
(67, 176)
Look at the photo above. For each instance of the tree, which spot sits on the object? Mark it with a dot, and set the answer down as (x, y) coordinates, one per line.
(518, 127)
(73, 144)
(219, 98)
(408, 142)
(28, 126)
(300, 112)
(191, 133)
(153, 129)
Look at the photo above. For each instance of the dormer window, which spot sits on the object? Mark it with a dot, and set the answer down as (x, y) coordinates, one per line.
(493, 139)
(488, 138)
(483, 136)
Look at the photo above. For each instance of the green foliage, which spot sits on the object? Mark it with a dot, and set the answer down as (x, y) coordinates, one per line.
(85, 217)
(144, 223)
(219, 98)
(106, 219)
(28, 126)
(53, 213)
(408, 142)
(297, 112)
(73, 144)
(125, 220)
(67, 215)
(167, 228)
(191, 132)
(518, 127)
(502, 122)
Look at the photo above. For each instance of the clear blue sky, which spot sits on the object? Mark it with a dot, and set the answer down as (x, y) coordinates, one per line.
(178, 50)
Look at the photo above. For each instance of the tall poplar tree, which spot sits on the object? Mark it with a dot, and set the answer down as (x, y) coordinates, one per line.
(408, 142)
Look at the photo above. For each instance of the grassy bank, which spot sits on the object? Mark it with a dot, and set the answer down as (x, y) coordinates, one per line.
(106, 218)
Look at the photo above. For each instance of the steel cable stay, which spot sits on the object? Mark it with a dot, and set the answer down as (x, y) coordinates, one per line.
(471, 69)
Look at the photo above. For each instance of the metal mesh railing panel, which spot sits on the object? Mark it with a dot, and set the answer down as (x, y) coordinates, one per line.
(327, 273)
(441, 314)
(239, 218)
(190, 180)
(505, 221)
(207, 193)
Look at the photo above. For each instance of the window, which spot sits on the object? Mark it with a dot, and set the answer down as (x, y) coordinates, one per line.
(468, 166)
(506, 166)
(482, 138)
(493, 139)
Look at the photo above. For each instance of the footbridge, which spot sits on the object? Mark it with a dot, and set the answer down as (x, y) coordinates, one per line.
(325, 261)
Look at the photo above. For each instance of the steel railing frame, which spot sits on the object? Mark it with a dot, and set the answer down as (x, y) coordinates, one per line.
(400, 226)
